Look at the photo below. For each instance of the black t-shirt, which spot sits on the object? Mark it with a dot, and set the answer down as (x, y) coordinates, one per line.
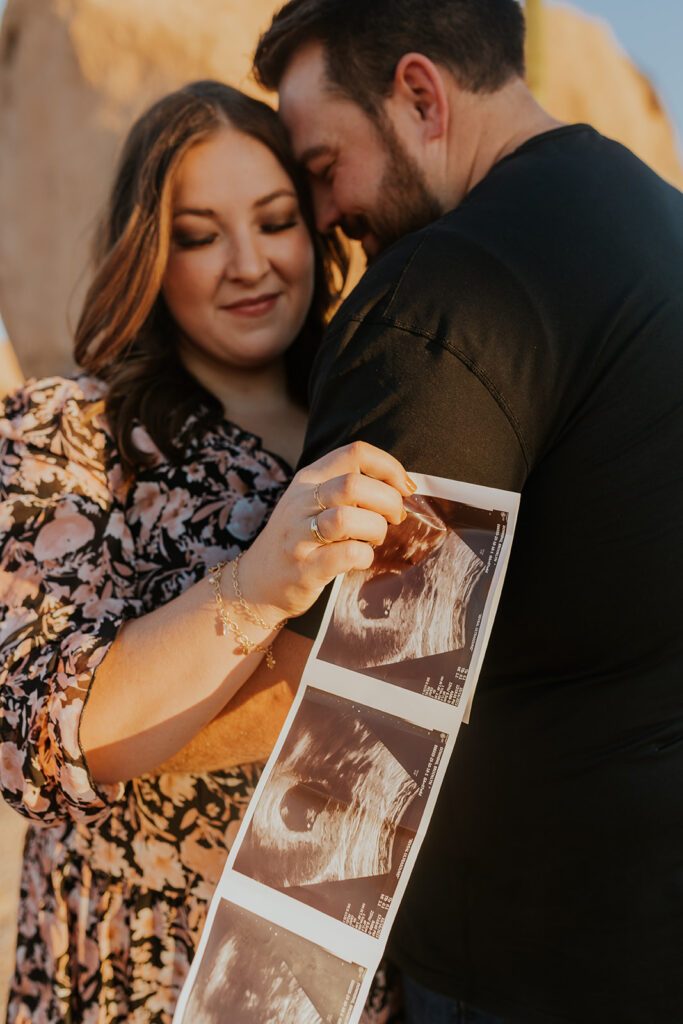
(532, 339)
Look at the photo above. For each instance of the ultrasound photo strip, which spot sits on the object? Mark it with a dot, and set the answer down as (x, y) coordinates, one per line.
(297, 926)
(413, 619)
(333, 824)
(253, 972)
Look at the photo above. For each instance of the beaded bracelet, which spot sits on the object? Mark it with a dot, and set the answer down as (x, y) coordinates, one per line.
(227, 624)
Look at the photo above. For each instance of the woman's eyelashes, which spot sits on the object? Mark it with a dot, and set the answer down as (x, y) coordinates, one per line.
(272, 227)
(193, 241)
(186, 241)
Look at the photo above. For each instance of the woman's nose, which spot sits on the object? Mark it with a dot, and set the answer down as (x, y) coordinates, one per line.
(246, 258)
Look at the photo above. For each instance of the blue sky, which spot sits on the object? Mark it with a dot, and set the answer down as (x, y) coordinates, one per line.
(651, 33)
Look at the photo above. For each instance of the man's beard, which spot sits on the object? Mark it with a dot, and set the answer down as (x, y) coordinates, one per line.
(404, 202)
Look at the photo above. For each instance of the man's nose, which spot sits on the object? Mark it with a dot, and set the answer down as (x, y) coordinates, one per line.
(246, 259)
(327, 213)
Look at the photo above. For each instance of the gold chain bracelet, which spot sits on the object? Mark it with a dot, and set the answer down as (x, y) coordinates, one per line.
(250, 612)
(229, 625)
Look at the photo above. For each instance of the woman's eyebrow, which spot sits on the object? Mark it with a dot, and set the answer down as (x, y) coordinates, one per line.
(264, 200)
(193, 211)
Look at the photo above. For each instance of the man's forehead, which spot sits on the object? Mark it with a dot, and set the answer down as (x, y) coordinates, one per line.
(304, 99)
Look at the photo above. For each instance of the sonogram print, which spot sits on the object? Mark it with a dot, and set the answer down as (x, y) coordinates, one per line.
(413, 616)
(253, 972)
(339, 811)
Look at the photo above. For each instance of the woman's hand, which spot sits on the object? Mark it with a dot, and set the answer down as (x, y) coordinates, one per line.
(349, 496)
(171, 671)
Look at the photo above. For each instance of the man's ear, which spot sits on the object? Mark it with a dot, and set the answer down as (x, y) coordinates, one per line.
(419, 91)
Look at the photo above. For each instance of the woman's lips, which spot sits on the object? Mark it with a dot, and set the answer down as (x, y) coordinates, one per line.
(258, 306)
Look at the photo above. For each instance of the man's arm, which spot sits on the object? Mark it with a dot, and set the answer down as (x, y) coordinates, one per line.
(438, 356)
(425, 403)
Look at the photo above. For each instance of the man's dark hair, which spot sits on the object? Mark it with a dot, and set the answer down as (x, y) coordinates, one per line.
(481, 42)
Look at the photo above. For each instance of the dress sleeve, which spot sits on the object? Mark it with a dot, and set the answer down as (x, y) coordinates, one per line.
(66, 586)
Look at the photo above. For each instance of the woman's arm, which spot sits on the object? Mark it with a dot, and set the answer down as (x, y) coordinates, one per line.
(170, 672)
(66, 584)
(246, 729)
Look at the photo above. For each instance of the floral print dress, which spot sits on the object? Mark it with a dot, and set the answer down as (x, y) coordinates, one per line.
(116, 878)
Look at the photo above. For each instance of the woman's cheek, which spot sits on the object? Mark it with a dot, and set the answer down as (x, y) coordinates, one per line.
(189, 277)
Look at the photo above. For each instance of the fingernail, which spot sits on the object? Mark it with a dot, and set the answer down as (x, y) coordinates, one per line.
(404, 516)
(411, 484)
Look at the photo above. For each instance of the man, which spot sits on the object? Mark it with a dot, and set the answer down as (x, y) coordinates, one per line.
(529, 338)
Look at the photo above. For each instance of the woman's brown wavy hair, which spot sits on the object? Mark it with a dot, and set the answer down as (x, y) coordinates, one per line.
(125, 334)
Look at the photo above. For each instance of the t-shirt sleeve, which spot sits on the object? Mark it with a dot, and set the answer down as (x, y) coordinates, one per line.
(437, 357)
(66, 586)
(417, 399)
(428, 372)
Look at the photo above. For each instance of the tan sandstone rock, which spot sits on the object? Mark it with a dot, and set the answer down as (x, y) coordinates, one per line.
(587, 76)
(74, 73)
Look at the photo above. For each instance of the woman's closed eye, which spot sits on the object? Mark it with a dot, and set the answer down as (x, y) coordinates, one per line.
(194, 241)
(273, 227)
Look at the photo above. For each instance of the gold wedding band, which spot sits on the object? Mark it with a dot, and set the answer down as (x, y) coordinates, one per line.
(316, 495)
(316, 532)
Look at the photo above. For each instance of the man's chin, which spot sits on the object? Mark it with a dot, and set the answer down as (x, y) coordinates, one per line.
(370, 247)
(374, 245)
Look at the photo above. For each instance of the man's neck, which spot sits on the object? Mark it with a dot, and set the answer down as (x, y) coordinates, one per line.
(488, 127)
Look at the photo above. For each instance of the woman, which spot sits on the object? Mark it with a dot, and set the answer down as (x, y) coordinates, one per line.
(125, 493)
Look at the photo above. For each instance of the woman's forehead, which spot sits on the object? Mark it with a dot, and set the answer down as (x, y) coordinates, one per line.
(230, 163)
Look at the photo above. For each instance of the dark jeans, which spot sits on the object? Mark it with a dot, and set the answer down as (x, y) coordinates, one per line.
(422, 1006)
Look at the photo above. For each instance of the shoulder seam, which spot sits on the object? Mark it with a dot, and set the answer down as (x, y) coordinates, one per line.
(446, 343)
(387, 321)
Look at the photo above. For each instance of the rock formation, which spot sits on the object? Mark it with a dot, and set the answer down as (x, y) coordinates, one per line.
(586, 76)
(74, 73)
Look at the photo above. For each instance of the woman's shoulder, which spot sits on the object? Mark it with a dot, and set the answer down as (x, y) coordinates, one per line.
(55, 427)
(44, 410)
(40, 400)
